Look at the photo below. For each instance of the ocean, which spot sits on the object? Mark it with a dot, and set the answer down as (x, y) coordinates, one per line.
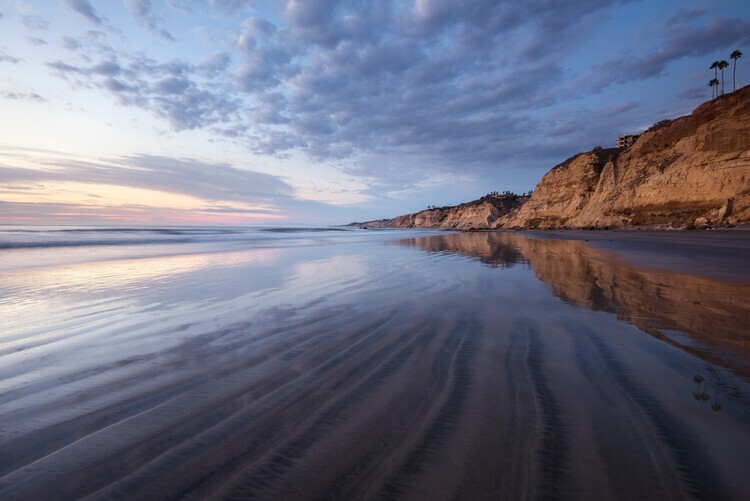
(338, 363)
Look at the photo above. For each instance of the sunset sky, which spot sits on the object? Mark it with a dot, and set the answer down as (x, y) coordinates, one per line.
(283, 112)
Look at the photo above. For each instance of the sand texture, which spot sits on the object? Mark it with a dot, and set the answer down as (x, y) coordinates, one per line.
(462, 366)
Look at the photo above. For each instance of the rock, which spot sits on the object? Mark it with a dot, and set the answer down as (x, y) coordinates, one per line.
(701, 222)
(726, 209)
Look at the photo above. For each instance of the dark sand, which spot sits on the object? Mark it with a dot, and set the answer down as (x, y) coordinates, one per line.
(723, 254)
(461, 366)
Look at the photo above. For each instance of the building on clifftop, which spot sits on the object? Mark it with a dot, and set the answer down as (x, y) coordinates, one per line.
(626, 141)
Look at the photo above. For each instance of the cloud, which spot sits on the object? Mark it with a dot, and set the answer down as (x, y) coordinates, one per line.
(678, 39)
(694, 93)
(7, 58)
(222, 7)
(27, 96)
(339, 79)
(142, 11)
(93, 44)
(404, 93)
(102, 211)
(226, 6)
(205, 180)
(220, 189)
(34, 22)
(168, 90)
(442, 78)
(71, 43)
(235, 210)
(685, 15)
(215, 64)
(84, 8)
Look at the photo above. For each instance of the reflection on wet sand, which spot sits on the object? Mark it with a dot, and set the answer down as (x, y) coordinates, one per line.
(703, 316)
(375, 372)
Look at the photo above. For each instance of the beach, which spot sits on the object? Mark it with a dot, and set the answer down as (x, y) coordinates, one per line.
(319, 363)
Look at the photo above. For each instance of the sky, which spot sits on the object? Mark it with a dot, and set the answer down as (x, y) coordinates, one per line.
(176, 112)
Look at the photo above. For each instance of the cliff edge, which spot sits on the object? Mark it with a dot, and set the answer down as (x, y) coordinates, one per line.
(487, 212)
(691, 171)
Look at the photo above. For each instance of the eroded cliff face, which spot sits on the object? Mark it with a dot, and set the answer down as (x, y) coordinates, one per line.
(484, 213)
(690, 172)
(564, 191)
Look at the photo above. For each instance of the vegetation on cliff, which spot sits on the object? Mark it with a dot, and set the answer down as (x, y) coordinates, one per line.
(483, 213)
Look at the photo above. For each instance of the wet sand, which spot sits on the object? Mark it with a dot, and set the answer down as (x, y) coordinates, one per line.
(460, 366)
(722, 254)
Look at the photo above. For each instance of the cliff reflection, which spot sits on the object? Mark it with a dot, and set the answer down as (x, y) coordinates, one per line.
(706, 317)
(491, 248)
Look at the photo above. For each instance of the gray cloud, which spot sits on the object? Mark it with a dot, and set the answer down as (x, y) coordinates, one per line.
(679, 39)
(226, 6)
(234, 210)
(32, 211)
(84, 8)
(142, 11)
(208, 180)
(100, 212)
(71, 43)
(440, 77)
(211, 181)
(64, 68)
(215, 64)
(695, 93)
(34, 22)
(685, 15)
(169, 90)
(7, 58)
(219, 184)
(223, 7)
(27, 96)
(340, 78)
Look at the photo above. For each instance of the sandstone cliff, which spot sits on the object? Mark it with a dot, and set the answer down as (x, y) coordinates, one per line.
(693, 171)
(479, 214)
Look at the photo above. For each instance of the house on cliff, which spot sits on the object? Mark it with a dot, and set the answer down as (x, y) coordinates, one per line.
(627, 140)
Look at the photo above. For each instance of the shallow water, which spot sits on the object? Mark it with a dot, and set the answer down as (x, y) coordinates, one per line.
(364, 364)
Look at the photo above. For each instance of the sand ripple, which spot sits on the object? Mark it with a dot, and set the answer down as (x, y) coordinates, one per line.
(396, 374)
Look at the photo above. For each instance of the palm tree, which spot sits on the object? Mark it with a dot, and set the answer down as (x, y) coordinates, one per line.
(714, 83)
(722, 64)
(715, 66)
(735, 55)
